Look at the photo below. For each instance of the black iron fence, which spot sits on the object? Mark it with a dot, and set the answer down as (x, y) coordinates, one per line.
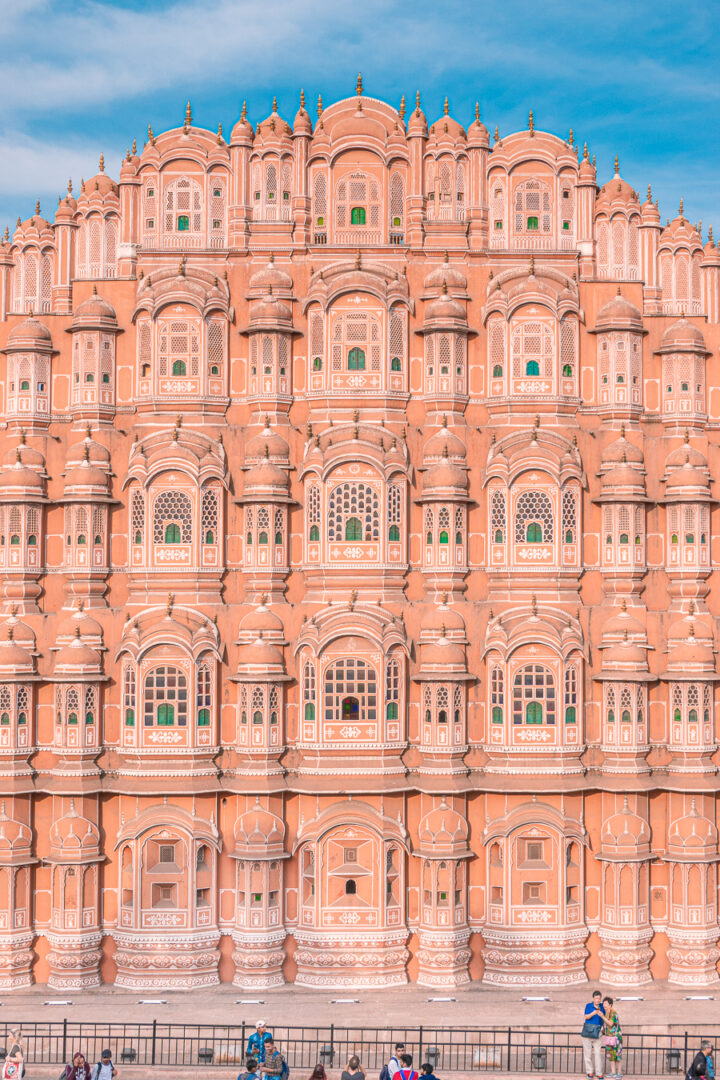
(450, 1050)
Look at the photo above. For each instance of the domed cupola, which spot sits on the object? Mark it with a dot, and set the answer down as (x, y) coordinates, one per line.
(623, 472)
(302, 125)
(625, 836)
(78, 659)
(690, 649)
(268, 444)
(16, 847)
(443, 833)
(619, 314)
(16, 661)
(417, 122)
(259, 834)
(442, 657)
(692, 837)
(74, 839)
(261, 620)
(23, 476)
(270, 280)
(444, 443)
(243, 132)
(446, 279)
(477, 134)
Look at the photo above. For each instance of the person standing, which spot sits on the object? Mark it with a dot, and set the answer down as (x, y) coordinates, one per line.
(612, 1038)
(104, 1070)
(406, 1071)
(258, 1041)
(592, 1029)
(353, 1069)
(77, 1069)
(274, 1063)
(703, 1067)
(251, 1072)
(388, 1071)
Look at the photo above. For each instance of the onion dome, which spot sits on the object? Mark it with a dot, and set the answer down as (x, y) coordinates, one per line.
(302, 124)
(77, 658)
(74, 839)
(618, 314)
(443, 832)
(445, 277)
(626, 657)
(35, 226)
(622, 450)
(623, 623)
(25, 477)
(21, 632)
(445, 477)
(259, 834)
(443, 657)
(445, 127)
(687, 481)
(477, 134)
(94, 312)
(444, 443)
(261, 620)
(15, 840)
(692, 837)
(586, 169)
(260, 657)
(417, 121)
(616, 191)
(88, 450)
(15, 659)
(442, 620)
(30, 334)
(79, 624)
(683, 336)
(270, 277)
(243, 131)
(66, 207)
(100, 184)
(626, 836)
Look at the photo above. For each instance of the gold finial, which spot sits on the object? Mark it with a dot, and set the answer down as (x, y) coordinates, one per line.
(37, 207)
(219, 134)
(532, 265)
(274, 108)
(134, 147)
(181, 268)
(188, 115)
(586, 156)
(533, 605)
(710, 235)
(649, 197)
(94, 290)
(151, 135)
(401, 110)
(7, 233)
(359, 85)
(101, 163)
(617, 166)
(444, 288)
(302, 98)
(497, 134)
(417, 102)
(86, 452)
(353, 598)
(531, 123)
(243, 111)
(682, 204)
(358, 257)
(571, 138)
(127, 154)
(356, 415)
(446, 107)
(69, 187)
(477, 112)
(319, 106)
(170, 603)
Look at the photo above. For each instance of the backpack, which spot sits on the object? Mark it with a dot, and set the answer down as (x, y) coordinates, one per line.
(385, 1071)
(284, 1070)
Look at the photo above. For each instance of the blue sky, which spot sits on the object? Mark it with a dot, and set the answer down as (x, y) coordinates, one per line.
(635, 78)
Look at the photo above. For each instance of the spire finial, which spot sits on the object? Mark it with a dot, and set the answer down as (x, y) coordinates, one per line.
(531, 123)
(586, 156)
(497, 134)
(417, 102)
(401, 110)
(617, 166)
(477, 112)
(219, 134)
(532, 265)
(571, 136)
(446, 107)
(170, 604)
(274, 108)
(319, 106)
(151, 135)
(710, 235)
(302, 98)
(37, 207)
(69, 187)
(649, 198)
(680, 211)
(359, 85)
(243, 111)
(188, 115)
(134, 147)
(533, 605)
(101, 163)
(358, 257)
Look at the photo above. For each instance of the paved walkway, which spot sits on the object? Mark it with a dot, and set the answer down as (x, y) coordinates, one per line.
(662, 1009)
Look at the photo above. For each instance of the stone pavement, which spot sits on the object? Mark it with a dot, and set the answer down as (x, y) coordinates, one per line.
(662, 1009)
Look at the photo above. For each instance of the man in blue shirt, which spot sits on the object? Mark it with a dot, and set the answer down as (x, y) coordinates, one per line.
(257, 1042)
(591, 1042)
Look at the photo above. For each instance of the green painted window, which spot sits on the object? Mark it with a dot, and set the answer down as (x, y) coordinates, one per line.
(179, 367)
(204, 718)
(172, 534)
(357, 215)
(567, 371)
(356, 360)
(497, 371)
(314, 532)
(497, 715)
(392, 710)
(129, 718)
(533, 713)
(444, 539)
(532, 224)
(166, 715)
(353, 529)
(395, 364)
(393, 532)
(570, 715)
(533, 533)
(183, 223)
(532, 367)
(309, 711)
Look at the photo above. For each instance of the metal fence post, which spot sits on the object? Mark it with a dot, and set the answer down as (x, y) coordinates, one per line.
(685, 1061)
(420, 1057)
(332, 1043)
(242, 1038)
(509, 1047)
(64, 1044)
(154, 1036)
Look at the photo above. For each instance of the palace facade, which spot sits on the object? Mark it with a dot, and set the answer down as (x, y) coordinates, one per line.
(358, 570)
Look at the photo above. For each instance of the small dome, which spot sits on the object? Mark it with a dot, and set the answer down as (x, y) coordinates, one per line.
(261, 620)
(443, 654)
(79, 620)
(625, 654)
(624, 621)
(73, 838)
(15, 839)
(88, 451)
(265, 476)
(99, 184)
(19, 478)
(682, 336)
(86, 476)
(94, 308)
(417, 121)
(685, 454)
(444, 476)
(445, 127)
(624, 477)
(446, 276)
(259, 834)
(270, 277)
(619, 314)
(689, 626)
(302, 124)
(260, 654)
(443, 620)
(270, 311)
(692, 835)
(621, 451)
(444, 444)
(14, 658)
(627, 833)
(615, 191)
(443, 831)
(243, 130)
(30, 332)
(445, 308)
(267, 444)
(77, 658)
(477, 133)
(688, 476)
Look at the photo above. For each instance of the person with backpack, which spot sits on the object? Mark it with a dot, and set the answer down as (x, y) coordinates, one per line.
(426, 1072)
(702, 1067)
(104, 1070)
(406, 1071)
(388, 1071)
(274, 1063)
(251, 1072)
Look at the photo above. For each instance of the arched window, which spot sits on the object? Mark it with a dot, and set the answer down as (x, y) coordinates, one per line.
(203, 701)
(497, 517)
(532, 208)
(165, 697)
(356, 359)
(392, 689)
(497, 694)
(129, 695)
(309, 692)
(533, 518)
(534, 695)
(351, 691)
(172, 518)
(533, 349)
(356, 501)
(353, 529)
(357, 215)
(571, 694)
(357, 201)
(183, 207)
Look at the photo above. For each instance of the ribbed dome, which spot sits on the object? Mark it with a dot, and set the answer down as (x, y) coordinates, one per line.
(625, 654)
(99, 184)
(259, 834)
(270, 277)
(260, 654)
(685, 455)
(86, 476)
(270, 310)
(692, 835)
(688, 476)
(445, 476)
(624, 621)
(30, 332)
(444, 444)
(261, 620)
(73, 838)
(77, 658)
(276, 445)
(265, 476)
(445, 308)
(443, 653)
(94, 308)
(682, 336)
(446, 275)
(15, 838)
(88, 450)
(14, 659)
(442, 619)
(626, 832)
(619, 314)
(622, 451)
(443, 831)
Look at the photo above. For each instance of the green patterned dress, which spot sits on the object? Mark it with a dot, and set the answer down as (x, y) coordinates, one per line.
(612, 1027)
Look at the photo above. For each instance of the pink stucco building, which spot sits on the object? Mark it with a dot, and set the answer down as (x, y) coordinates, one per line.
(358, 565)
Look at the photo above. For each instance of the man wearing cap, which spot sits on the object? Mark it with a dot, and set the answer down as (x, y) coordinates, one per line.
(257, 1041)
(104, 1070)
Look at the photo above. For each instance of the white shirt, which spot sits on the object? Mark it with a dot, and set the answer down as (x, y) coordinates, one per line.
(393, 1066)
